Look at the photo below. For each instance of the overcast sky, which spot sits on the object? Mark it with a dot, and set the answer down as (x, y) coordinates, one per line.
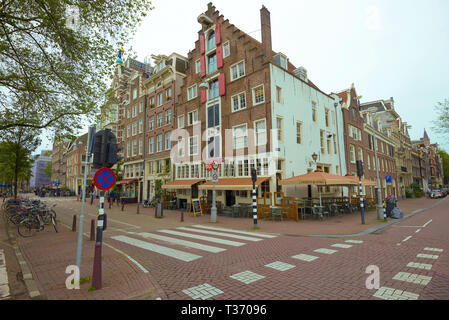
(387, 48)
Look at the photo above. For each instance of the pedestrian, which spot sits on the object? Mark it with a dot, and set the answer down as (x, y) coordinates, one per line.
(111, 198)
(93, 195)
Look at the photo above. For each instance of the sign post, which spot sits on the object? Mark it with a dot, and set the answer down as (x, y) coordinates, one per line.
(360, 174)
(254, 179)
(213, 210)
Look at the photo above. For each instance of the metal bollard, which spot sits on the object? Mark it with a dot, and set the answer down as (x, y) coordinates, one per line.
(182, 215)
(92, 230)
(74, 223)
(96, 276)
(138, 205)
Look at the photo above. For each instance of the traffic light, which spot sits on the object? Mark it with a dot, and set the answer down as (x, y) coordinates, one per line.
(105, 149)
(253, 175)
(359, 168)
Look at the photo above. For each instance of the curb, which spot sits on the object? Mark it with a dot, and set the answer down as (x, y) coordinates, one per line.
(376, 228)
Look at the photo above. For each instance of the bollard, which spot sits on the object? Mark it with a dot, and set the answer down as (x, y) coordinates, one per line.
(182, 215)
(138, 205)
(74, 223)
(92, 230)
(123, 205)
(110, 201)
(155, 211)
(96, 276)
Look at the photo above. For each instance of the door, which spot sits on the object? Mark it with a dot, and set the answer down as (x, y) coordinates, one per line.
(141, 192)
(230, 198)
(148, 189)
(195, 191)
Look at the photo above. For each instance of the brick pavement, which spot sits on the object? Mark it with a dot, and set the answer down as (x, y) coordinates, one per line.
(340, 275)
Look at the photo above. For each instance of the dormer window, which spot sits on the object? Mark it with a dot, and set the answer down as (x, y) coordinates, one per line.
(281, 60)
(211, 41)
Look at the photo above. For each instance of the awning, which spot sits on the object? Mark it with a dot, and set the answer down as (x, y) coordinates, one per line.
(181, 184)
(125, 181)
(319, 178)
(365, 182)
(233, 184)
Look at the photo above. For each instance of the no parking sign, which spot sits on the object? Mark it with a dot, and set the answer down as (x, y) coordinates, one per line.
(104, 179)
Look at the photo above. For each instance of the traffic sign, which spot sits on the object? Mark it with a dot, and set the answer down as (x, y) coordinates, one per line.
(214, 176)
(104, 179)
(215, 165)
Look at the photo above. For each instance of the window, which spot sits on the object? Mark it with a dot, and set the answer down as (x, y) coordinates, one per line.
(323, 147)
(192, 117)
(240, 136)
(213, 90)
(258, 95)
(128, 149)
(226, 50)
(160, 101)
(192, 92)
(335, 144)
(181, 122)
(360, 154)
(279, 128)
(193, 145)
(260, 132)
(278, 94)
(134, 128)
(140, 146)
(298, 132)
(213, 147)
(180, 147)
(151, 145)
(238, 101)
(159, 143)
(168, 94)
(329, 145)
(197, 66)
(128, 134)
(140, 107)
(135, 93)
(212, 63)
(352, 153)
(283, 62)
(159, 120)
(134, 147)
(140, 126)
(314, 109)
(327, 117)
(168, 117)
(151, 124)
(368, 158)
(167, 141)
(151, 102)
(237, 70)
(213, 116)
(211, 41)
(353, 114)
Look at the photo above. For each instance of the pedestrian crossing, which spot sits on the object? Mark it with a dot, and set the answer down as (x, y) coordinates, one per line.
(175, 243)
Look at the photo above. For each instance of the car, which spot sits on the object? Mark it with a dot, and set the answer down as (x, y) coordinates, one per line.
(445, 191)
(436, 193)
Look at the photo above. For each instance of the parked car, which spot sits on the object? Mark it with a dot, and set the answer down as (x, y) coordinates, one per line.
(445, 191)
(436, 193)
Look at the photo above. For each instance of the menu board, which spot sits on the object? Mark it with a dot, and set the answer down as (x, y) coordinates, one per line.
(196, 207)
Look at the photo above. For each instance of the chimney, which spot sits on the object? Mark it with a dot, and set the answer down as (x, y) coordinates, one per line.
(266, 32)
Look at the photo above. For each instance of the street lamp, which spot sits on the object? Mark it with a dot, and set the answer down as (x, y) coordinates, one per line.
(314, 157)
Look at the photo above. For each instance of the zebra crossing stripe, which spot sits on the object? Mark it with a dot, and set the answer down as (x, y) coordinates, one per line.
(260, 235)
(220, 234)
(173, 253)
(182, 242)
(210, 239)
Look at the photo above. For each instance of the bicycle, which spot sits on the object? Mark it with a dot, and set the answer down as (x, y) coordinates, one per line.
(36, 219)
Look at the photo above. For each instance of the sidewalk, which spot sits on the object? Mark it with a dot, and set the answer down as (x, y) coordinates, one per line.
(48, 254)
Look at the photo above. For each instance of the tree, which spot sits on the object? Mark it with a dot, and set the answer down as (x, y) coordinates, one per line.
(445, 157)
(442, 122)
(56, 55)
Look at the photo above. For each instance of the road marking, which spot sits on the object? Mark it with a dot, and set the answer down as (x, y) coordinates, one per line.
(341, 245)
(393, 294)
(210, 239)
(427, 223)
(263, 235)
(173, 253)
(304, 257)
(4, 282)
(182, 242)
(418, 265)
(407, 238)
(413, 278)
(427, 256)
(280, 266)
(247, 277)
(434, 249)
(203, 291)
(326, 251)
(219, 234)
(354, 241)
(417, 230)
(127, 256)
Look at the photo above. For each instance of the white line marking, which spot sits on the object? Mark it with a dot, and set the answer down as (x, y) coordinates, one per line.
(182, 242)
(427, 256)
(393, 294)
(413, 278)
(418, 265)
(210, 239)
(341, 245)
(326, 251)
(433, 249)
(263, 235)
(220, 234)
(407, 238)
(131, 259)
(173, 253)
(304, 257)
(417, 230)
(427, 223)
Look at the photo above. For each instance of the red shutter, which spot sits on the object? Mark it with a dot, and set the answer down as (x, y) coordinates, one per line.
(203, 66)
(202, 44)
(203, 95)
(221, 85)
(217, 34)
(219, 57)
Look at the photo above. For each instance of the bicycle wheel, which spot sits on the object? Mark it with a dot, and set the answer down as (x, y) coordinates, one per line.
(28, 227)
(53, 220)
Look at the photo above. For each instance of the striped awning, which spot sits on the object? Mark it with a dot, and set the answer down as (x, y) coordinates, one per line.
(233, 184)
(181, 184)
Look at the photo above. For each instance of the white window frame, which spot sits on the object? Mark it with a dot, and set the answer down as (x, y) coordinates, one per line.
(167, 141)
(228, 45)
(300, 132)
(162, 143)
(193, 145)
(352, 155)
(134, 128)
(179, 121)
(181, 147)
(140, 126)
(197, 66)
(236, 65)
(254, 96)
(135, 93)
(140, 146)
(151, 124)
(279, 131)
(236, 129)
(256, 133)
(160, 99)
(194, 121)
(134, 149)
(161, 118)
(239, 101)
(168, 116)
(151, 145)
(189, 96)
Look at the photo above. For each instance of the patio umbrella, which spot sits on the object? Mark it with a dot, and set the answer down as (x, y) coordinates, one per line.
(319, 178)
(365, 182)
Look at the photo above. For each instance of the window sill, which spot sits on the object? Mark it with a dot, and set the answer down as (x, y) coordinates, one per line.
(256, 104)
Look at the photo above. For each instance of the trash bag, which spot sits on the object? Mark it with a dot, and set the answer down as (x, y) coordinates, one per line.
(396, 213)
(390, 204)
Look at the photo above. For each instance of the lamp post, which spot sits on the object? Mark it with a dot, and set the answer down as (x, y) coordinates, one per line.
(309, 187)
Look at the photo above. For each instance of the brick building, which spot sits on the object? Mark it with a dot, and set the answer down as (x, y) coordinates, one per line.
(76, 157)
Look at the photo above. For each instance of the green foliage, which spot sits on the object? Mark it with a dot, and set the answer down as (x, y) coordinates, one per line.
(52, 74)
(418, 193)
(445, 157)
(408, 193)
(47, 170)
(158, 187)
(442, 121)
